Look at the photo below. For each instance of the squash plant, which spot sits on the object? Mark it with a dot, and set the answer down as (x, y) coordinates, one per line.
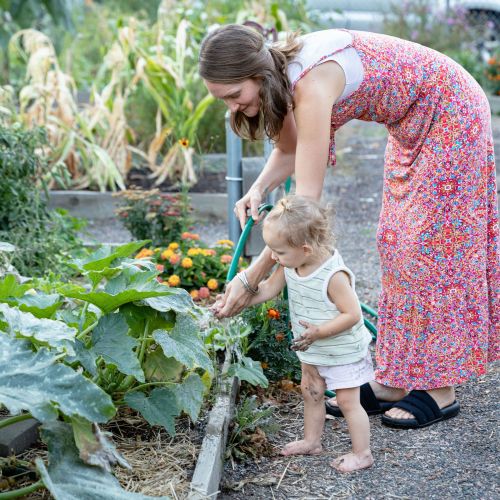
(71, 354)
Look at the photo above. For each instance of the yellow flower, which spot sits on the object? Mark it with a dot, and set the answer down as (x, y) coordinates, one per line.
(166, 254)
(186, 263)
(195, 295)
(229, 243)
(212, 284)
(145, 252)
(184, 142)
(174, 280)
(207, 252)
(192, 252)
(173, 246)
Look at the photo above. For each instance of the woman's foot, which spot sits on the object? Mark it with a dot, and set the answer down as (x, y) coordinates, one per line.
(382, 393)
(353, 461)
(301, 447)
(444, 396)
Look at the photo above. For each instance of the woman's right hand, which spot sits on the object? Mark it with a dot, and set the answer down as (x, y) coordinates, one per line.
(252, 200)
(234, 300)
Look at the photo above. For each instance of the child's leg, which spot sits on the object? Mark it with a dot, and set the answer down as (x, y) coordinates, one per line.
(359, 429)
(313, 388)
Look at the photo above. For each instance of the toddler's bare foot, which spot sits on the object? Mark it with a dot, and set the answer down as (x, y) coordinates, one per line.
(301, 447)
(352, 461)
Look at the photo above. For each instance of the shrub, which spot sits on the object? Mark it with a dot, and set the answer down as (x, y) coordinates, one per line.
(42, 237)
(152, 215)
(270, 340)
(493, 73)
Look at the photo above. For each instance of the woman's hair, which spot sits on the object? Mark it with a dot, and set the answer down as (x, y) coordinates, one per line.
(234, 53)
(302, 220)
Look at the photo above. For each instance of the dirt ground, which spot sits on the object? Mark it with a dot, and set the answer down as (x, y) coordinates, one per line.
(453, 459)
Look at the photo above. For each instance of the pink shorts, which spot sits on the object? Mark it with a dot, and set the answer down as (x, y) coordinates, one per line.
(347, 376)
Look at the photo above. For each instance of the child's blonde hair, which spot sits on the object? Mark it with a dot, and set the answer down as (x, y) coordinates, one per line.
(302, 220)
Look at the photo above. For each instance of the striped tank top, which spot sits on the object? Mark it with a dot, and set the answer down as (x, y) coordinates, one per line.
(308, 301)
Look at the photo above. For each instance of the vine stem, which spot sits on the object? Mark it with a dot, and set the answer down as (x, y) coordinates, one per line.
(21, 492)
(12, 420)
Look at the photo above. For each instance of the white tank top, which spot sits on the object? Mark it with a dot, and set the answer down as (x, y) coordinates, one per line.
(328, 45)
(308, 301)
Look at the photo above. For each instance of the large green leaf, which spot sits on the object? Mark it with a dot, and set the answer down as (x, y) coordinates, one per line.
(183, 344)
(86, 357)
(110, 340)
(10, 288)
(40, 304)
(189, 395)
(54, 333)
(37, 382)
(159, 368)
(179, 301)
(105, 255)
(138, 315)
(129, 286)
(249, 370)
(68, 478)
(160, 408)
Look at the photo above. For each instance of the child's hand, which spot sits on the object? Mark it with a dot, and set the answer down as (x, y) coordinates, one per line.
(309, 335)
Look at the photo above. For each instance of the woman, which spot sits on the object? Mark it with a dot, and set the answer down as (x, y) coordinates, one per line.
(438, 229)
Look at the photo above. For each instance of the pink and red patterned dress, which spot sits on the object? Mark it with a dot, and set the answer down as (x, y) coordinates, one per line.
(438, 234)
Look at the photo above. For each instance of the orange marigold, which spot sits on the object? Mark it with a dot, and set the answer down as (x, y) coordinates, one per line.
(174, 280)
(204, 292)
(212, 284)
(160, 267)
(173, 246)
(195, 295)
(186, 263)
(280, 336)
(273, 313)
(264, 365)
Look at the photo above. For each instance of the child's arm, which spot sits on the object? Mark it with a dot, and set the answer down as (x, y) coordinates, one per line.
(342, 295)
(269, 288)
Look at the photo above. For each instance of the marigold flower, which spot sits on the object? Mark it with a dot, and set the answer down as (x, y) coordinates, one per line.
(160, 267)
(192, 252)
(280, 336)
(174, 280)
(226, 258)
(228, 243)
(174, 260)
(203, 292)
(173, 246)
(184, 142)
(145, 252)
(166, 254)
(273, 313)
(212, 284)
(208, 252)
(264, 365)
(190, 236)
(195, 294)
(186, 263)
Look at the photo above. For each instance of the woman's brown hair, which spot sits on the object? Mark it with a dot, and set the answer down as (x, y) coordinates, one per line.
(234, 53)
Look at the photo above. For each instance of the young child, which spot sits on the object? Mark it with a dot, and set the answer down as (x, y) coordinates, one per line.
(330, 338)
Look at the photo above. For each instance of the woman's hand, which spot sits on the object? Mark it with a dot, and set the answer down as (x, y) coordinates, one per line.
(252, 200)
(234, 300)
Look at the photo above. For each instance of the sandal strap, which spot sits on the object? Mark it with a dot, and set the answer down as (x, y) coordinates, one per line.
(368, 399)
(421, 406)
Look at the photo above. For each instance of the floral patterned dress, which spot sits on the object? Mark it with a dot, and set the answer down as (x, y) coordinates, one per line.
(438, 230)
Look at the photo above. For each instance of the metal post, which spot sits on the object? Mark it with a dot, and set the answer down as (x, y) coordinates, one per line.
(234, 178)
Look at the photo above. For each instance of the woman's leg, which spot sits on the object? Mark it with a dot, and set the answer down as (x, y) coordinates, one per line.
(313, 388)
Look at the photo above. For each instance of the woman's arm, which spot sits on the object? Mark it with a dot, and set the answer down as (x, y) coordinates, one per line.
(279, 166)
(269, 288)
(315, 96)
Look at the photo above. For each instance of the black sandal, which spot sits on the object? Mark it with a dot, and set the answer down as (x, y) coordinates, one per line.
(424, 409)
(369, 402)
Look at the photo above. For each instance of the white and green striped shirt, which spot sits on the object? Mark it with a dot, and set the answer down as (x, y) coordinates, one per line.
(308, 301)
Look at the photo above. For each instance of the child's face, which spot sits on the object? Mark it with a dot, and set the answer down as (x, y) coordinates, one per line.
(282, 252)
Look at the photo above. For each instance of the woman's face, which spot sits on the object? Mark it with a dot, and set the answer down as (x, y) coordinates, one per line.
(241, 96)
